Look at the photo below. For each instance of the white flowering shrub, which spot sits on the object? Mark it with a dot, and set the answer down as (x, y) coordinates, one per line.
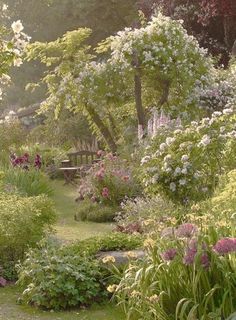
(13, 44)
(221, 92)
(186, 165)
(171, 62)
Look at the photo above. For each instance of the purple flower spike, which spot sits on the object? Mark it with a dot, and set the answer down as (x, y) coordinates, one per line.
(186, 230)
(169, 254)
(225, 245)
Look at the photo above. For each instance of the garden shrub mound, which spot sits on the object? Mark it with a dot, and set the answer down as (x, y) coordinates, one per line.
(23, 222)
(59, 277)
(96, 212)
(55, 281)
(112, 242)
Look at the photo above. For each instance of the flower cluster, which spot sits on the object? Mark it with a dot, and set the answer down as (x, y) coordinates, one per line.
(24, 161)
(185, 164)
(11, 50)
(109, 181)
(163, 47)
(193, 247)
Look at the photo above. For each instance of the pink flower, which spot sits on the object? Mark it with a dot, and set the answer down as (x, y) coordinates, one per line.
(100, 174)
(126, 178)
(169, 254)
(105, 192)
(100, 153)
(225, 245)
(186, 230)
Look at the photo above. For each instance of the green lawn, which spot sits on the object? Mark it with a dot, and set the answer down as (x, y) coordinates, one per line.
(69, 230)
(10, 310)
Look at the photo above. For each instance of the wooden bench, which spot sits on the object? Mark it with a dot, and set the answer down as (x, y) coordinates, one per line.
(78, 162)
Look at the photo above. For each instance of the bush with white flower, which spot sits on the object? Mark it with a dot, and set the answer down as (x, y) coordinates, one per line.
(171, 62)
(186, 165)
(221, 92)
(13, 44)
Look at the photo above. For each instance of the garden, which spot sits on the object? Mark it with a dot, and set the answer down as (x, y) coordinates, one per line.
(118, 160)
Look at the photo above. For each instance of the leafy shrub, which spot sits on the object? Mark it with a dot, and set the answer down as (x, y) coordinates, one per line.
(186, 165)
(111, 242)
(13, 135)
(55, 281)
(218, 211)
(23, 222)
(30, 182)
(96, 212)
(187, 275)
(109, 182)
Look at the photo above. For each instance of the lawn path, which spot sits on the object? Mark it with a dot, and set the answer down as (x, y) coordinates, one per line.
(67, 228)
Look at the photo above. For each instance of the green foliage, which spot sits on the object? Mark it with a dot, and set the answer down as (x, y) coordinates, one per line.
(13, 136)
(67, 131)
(55, 281)
(93, 211)
(23, 222)
(186, 164)
(111, 242)
(30, 182)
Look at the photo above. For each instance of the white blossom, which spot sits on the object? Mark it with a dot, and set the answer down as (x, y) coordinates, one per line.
(173, 187)
(17, 26)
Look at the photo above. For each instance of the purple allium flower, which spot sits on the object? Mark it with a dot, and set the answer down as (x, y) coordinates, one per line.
(186, 230)
(225, 245)
(191, 253)
(169, 254)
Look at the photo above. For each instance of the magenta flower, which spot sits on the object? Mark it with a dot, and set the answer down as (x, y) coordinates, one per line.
(186, 230)
(105, 192)
(38, 161)
(225, 245)
(169, 254)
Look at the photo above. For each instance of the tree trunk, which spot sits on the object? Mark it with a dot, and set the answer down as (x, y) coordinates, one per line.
(138, 92)
(102, 128)
(165, 92)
